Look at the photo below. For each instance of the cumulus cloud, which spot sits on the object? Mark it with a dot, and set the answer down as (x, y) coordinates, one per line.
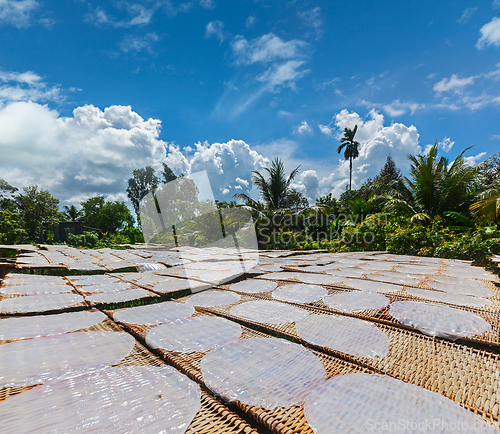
(215, 29)
(17, 13)
(250, 21)
(490, 34)
(303, 128)
(453, 84)
(376, 143)
(446, 144)
(26, 86)
(229, 165)
(207, 4)
(267, 48)
(475, 159)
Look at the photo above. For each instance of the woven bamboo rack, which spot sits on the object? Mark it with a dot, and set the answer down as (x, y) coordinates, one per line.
(468, 376)
(213, 416)
(282, 420)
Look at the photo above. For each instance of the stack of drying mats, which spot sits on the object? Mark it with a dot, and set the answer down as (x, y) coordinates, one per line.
(177, 341)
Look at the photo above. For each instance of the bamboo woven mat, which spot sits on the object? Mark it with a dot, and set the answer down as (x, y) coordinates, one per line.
(490, 338)
(213, 416)
(468, 376)
(282, 420)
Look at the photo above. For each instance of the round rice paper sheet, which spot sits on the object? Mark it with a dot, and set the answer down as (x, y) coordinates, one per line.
(372, 286)
(47, 325)
(253, 286)
(345, 334)
(201, 333)
(102, 288)
(33, 289)
(282, 275)
(356, 301)
(153, 314)
(347, 272)
(39, 303)
(118, 296)
(319, 279)
(268, 311)
(213, 298)
(164, 401)
(446, 297)
(299, 293)
(37, 361)
(437, 320)
(357, 403)
(472, 287)
(264, 372)
(396, 278)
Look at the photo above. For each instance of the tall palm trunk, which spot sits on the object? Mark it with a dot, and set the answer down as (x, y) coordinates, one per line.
(350, 173)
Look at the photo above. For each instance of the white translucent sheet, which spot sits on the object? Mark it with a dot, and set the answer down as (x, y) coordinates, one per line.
(39, 303)
(154, 313)
(106, 287)
(33, 288)
(34, 278)
(372, 286)
(468, 287)
(345, 334)
(356, 301)
(299, 293)
(132, 399)
(265, 268)
(319, 279)
(36, 361)
(397, 278)
(118, 296)
(264, 372)
(282, 275)
(357, 403)
(47, 325)
(437, 320)
(347, 272)
(201, 334)
(178, 285)
(268, 311)
(446, 297)
(92, 280)
(468, 272)
(213, 298)
(419, 270)
(152, 279)
(151, 267)
(253, 286)
(376, 266)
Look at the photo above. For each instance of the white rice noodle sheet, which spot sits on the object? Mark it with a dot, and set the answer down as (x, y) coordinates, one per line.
(253, 286)
(446, 297)
(356, 301)
(33, 289)
(268, 311)
(153, 314)
(471, 287)
(39, 303)
(213, 298)
(299, 293)
(319, 279)
(119, 296)
(372, 286)
(264, 372)
(132, 399)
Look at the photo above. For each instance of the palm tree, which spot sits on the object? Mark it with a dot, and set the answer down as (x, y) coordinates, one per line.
(71, 213)
(488, 205)
(275, 191)
(351, 148)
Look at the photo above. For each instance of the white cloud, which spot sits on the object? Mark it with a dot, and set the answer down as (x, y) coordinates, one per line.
(17, 13)
(267, 48)
(490, 34)
(229, 165)
(453, 84)
(467, 14)
(283, 75)
(446, 144)
(93, 151)
(284, 114)
(474, 159)
(26, 86)
(312, 18)
(326, 129)
(250, 21)
(207, 4)
(303, 128)
(138, 16)
(216, 29)
(376, 143)
(395, 108)
(139, 43)
(495, 74)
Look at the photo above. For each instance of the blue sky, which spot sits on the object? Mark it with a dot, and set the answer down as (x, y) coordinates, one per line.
(91, 90)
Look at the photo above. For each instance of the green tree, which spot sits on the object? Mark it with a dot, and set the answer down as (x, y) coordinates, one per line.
(38, 210)
(167, 174)
(108, 216)
(142, 182)
(275, 191)
(328, 201)
(6, 192)
(71, 213)
(350, 147)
